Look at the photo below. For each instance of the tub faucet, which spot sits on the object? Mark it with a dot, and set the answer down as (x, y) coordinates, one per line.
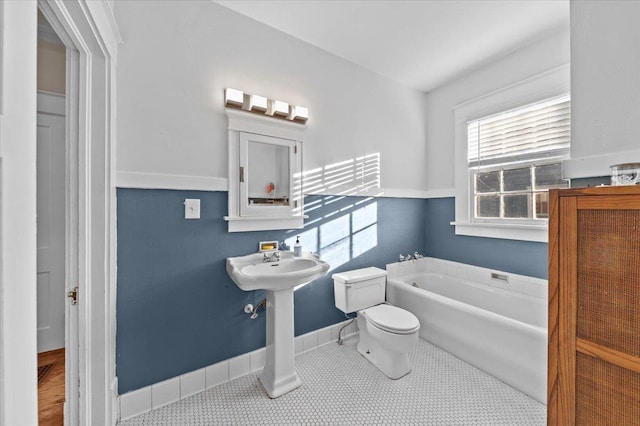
(273, 257)
(410, 256)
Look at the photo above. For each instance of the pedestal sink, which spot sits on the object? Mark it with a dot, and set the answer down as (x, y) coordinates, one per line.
(278, 278)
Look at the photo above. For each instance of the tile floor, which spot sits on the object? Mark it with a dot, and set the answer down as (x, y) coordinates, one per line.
(341, 388)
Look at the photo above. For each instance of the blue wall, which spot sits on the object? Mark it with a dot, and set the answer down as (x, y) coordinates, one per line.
(518, 257)
(178, 311)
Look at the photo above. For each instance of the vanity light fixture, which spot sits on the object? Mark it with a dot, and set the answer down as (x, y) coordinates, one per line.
(278, 108)
(234, 98)
(299, 113)
(257, 103)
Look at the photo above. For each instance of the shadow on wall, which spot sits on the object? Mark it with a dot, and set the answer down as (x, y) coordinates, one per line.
(177, 309)
(340, 228)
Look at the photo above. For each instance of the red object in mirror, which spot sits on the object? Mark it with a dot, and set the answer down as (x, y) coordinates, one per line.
(270, 187)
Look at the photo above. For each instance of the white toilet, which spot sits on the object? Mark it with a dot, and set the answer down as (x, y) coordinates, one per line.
(387, 333)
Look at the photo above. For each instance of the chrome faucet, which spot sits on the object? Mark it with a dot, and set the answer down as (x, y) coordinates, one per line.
(410, 256)
(273, 257)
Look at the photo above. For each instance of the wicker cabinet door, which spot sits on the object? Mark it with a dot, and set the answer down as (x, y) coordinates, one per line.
(599, 309)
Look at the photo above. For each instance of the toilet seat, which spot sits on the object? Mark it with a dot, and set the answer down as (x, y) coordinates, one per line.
(391, 319)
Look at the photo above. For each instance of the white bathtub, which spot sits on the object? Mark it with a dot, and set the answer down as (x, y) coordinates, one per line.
(501, 332)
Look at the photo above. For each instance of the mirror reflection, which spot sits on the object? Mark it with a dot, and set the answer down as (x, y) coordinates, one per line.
(269, 180)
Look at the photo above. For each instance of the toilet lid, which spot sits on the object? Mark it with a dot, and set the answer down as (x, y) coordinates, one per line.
(392, 319)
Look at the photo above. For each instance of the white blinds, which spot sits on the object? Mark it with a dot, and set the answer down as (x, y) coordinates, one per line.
(532, 132)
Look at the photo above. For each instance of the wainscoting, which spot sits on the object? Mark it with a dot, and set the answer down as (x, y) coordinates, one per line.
(177, 309)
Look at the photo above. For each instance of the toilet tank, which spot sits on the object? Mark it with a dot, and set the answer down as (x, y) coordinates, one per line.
(359, 289)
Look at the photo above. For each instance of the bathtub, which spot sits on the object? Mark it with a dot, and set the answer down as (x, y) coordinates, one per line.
(499, 331)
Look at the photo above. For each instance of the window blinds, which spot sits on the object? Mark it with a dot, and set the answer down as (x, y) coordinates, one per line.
(536, 131)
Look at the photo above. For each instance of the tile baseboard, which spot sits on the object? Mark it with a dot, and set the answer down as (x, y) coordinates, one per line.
(154, 396)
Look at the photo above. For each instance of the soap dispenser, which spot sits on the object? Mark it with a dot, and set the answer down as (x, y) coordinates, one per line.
(297, 247)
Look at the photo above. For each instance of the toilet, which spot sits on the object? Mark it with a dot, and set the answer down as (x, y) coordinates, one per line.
(387, 333)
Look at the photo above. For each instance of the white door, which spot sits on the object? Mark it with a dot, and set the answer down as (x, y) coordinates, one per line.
(51, 224)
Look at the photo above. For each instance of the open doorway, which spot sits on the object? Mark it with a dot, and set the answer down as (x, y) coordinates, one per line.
(51, 229)
(90, 36)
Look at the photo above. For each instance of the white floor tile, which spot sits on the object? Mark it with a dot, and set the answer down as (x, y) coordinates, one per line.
(340, 387)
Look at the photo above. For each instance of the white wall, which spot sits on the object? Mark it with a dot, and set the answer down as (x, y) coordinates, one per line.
(605, 85)
(18, 383)
(177, 58)
(536, 58)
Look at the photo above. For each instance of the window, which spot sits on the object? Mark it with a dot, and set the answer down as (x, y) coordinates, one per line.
(515, 158)
(510, 145)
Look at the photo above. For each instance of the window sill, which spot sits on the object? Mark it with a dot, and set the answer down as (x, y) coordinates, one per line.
(508, 231)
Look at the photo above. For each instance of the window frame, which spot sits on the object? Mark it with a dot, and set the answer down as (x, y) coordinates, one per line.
(553, 83)
(531, 164)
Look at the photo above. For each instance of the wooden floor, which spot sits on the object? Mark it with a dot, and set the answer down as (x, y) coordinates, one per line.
(51, 389)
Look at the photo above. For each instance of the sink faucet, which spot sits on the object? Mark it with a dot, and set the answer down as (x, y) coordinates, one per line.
(273, 257)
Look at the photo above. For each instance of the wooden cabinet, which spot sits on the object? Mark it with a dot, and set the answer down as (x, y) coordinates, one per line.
(594, 306)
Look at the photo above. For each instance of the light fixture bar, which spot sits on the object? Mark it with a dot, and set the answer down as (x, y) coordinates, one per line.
(299, 113)
(280, 108)
(257, 103)
(234, 98)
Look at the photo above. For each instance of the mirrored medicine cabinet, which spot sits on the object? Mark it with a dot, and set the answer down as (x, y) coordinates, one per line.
(265, 169)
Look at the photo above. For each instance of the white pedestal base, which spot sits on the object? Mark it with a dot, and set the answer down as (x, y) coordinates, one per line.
(279, 375)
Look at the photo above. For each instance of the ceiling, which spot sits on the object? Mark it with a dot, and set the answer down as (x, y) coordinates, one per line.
(421, 44)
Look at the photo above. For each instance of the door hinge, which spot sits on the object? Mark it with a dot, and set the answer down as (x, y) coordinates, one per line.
(241, 174)
(295, 149)
(73, 295)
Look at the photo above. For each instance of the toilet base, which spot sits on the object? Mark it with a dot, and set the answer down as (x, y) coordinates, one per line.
(393, 363)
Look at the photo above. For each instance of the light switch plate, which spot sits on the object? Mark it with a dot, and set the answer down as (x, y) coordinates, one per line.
(192, 208)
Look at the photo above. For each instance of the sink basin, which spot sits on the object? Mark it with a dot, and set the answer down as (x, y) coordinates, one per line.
(278, 279)
(251, 273)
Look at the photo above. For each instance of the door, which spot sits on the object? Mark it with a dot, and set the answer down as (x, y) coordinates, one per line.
(51, 225)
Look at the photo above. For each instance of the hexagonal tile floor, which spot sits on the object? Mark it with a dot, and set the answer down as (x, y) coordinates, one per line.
(340, 387)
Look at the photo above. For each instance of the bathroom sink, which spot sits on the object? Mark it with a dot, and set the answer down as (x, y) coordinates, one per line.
(252, 273)
(278, 278)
